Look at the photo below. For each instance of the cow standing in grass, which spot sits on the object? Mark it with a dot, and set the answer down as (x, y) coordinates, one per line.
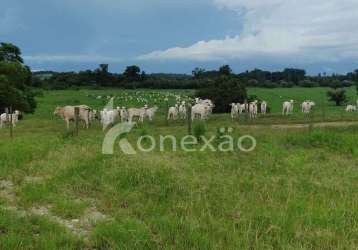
(182, 110)
(68, 114)
(109, 117)
(287, 107)
(136, 112)
(235, 110)
(150, 112)
(123, 113)
(263, 107)
(253, 109)
(351, 108)
(202, 110)
(307, 107)
(173, 112)
(9, 118)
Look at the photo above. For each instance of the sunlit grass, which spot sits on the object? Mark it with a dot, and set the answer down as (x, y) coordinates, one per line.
(297, 190)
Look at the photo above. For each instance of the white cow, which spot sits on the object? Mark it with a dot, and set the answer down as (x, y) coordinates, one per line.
(136, 112)
(263, 107)
(173, 112)
(210, 106)
(235, 108)
(206, 101)
(182, 110)
(150, 112)
(7, 118)
(68, 114)
(92, 115)
(109, 117)
(200, 111)
(307, 106)
(242, 108)
(253, 109)
(123, 113)
(351, 108)
(287, 107)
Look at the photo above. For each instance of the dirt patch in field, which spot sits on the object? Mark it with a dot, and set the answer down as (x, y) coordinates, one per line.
(34, 179)
(7, 191)
(81, 227)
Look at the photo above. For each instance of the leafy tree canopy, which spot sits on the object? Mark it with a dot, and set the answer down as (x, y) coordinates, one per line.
(15, 80)
(338, 96)
(224, 91)
(10, 53)
(132, 72)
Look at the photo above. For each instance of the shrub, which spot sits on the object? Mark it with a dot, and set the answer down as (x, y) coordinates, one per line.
(15, 91)
(338, 96)
(308, 84)
(199, 130)
(223, 92)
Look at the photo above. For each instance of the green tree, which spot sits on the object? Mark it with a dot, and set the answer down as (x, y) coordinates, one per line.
(15, 80)
(225, 70)
(335, 84)
(198, 72)
(102, 75)
(104, 68)
(224, 91)
(132, 73)
(338, 96)
(143, 76)
(10, 53)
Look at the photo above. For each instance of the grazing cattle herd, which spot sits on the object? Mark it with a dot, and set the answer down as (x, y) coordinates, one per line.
(198, 108)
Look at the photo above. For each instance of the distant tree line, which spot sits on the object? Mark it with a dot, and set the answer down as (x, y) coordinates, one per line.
(133, 77)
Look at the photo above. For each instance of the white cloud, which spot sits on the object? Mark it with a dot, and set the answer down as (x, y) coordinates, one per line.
(72, 58)
(305, 30)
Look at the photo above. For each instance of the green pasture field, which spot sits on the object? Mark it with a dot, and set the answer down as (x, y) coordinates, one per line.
(296, 190)
(324, 110)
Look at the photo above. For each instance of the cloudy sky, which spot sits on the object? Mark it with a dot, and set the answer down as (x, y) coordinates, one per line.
(178, 35)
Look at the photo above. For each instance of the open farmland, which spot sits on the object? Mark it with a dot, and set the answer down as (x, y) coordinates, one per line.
(323, 111)
(296, 190)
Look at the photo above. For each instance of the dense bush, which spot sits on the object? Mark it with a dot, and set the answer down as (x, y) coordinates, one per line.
(15, 80)
(308, 84)
(338, 96)
(224, 91)
(199, 129)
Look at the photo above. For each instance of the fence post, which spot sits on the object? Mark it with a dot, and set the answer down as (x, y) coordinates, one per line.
(246, 111)
(188, 110)
(311, 120)
(77, 114)
(323, 108)
(9, 118)
(167, 111)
